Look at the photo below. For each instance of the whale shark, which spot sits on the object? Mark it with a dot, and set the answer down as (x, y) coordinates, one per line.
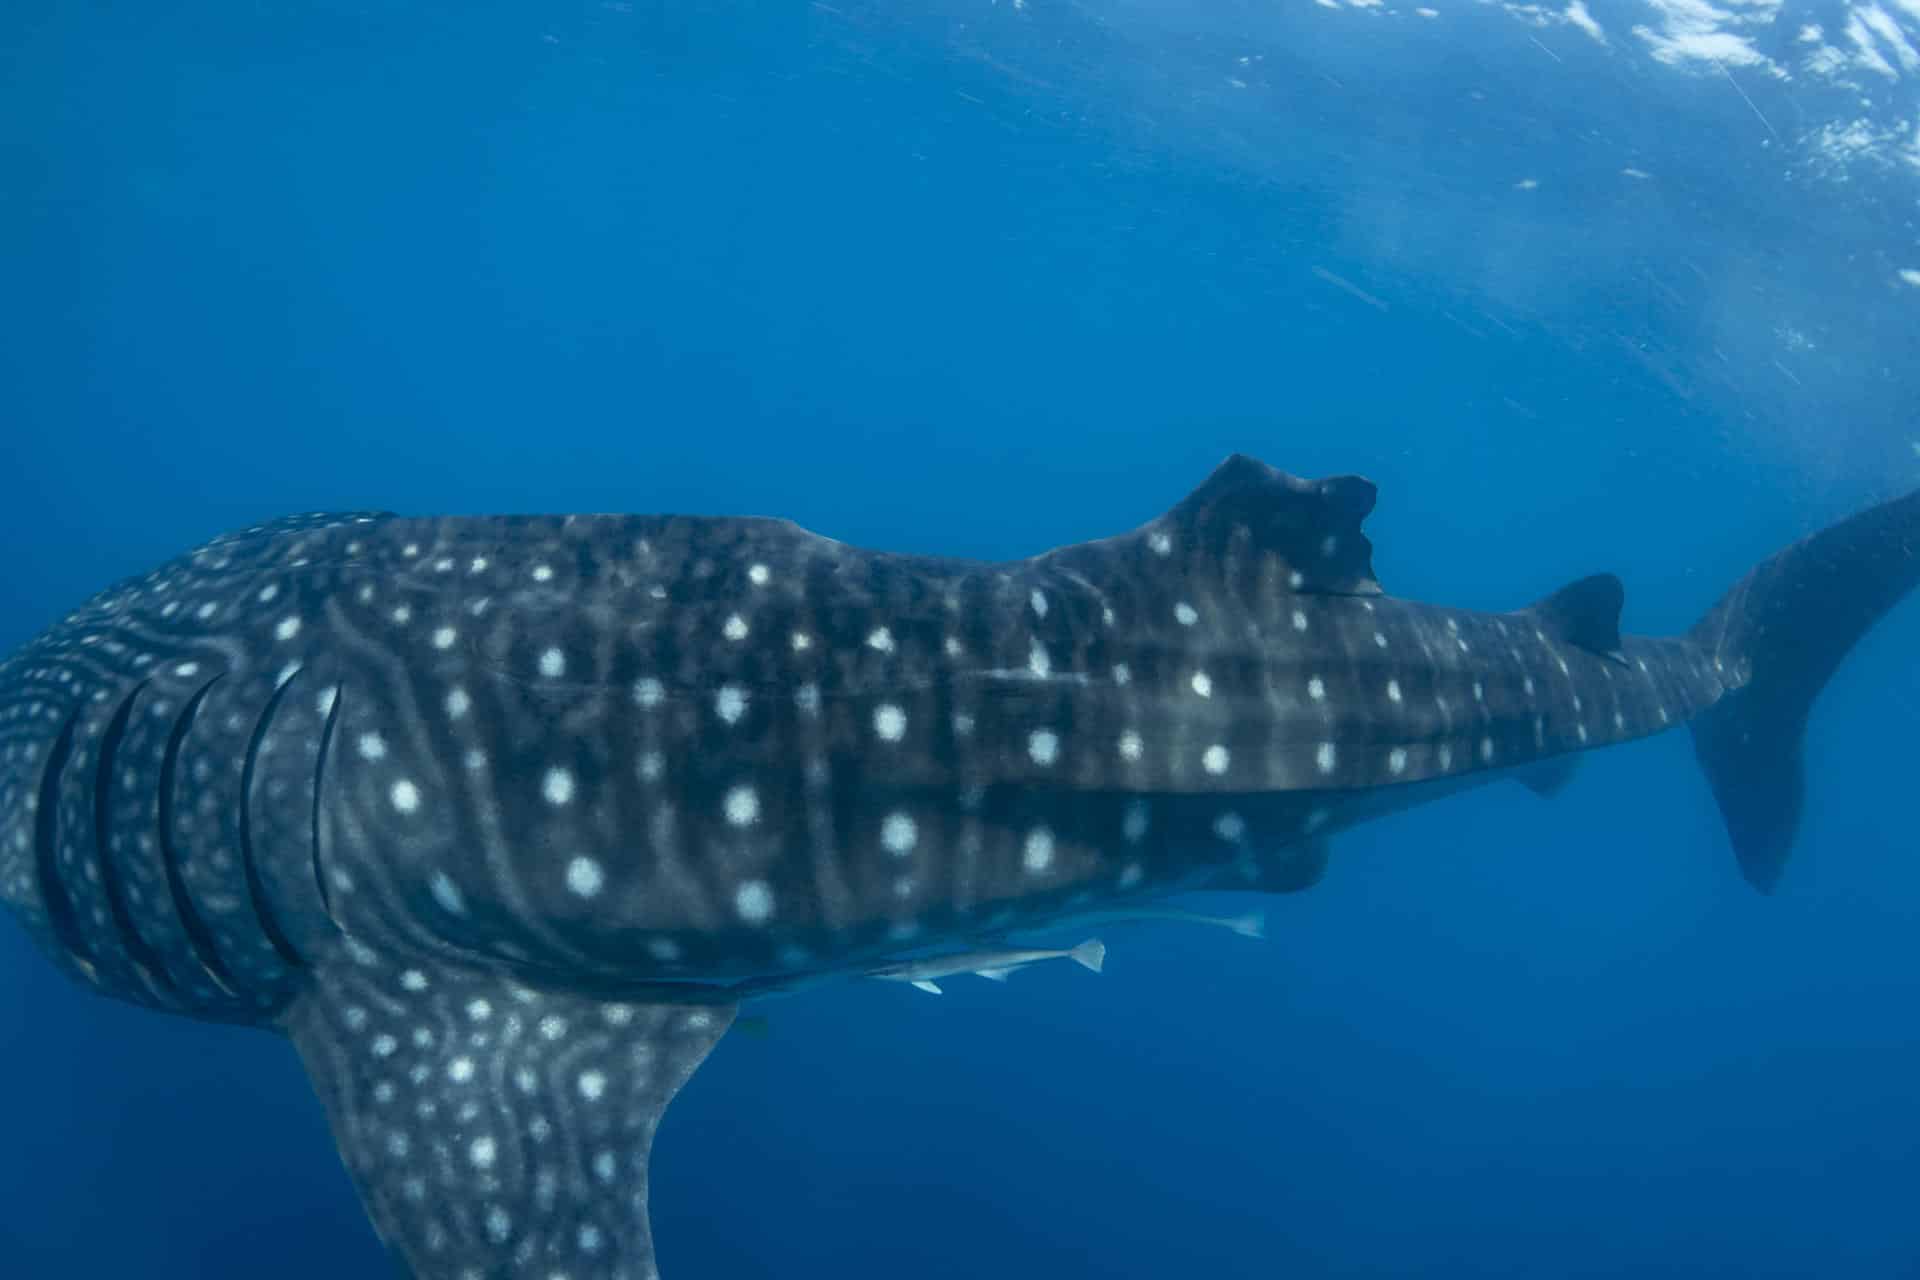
(499, 819)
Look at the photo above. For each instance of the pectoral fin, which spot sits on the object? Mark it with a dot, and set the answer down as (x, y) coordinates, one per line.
(492, 1129)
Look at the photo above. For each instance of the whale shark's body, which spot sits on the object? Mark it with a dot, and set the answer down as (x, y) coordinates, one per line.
(500, 818)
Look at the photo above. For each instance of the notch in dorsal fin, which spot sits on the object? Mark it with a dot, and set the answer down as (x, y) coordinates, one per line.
(1586, 614)
(491, 1129)
(1308, 531)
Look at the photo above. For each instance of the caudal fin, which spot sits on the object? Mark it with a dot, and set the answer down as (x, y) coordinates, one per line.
(1776, 638)
(1091, 954)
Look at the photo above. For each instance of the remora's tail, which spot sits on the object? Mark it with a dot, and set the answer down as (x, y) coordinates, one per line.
(1777, 637)
(1091, 954)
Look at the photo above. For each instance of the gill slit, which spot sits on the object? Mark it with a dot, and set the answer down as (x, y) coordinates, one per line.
(200, 939)
(256, 885)
(46, 846)
(145, 960)
(319, 785)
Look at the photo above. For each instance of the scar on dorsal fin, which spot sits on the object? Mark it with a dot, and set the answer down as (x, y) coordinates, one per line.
(1264, 521)
(490, 1128)
(1585, 614)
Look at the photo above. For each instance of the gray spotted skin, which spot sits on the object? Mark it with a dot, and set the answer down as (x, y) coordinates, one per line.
(499, 817)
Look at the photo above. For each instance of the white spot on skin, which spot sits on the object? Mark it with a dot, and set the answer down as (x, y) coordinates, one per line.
(267, 593)
(593, 1084)
(1379, 640)
(735, 628)
(730, 703)
(483, 1152)
(1039, 602)
(648, 692)
(898, 834)
(1316, 689)
(1160, 544)
(1397, 761)
(1299, 620)
(553, 664)
(1130, 745)
(758, 575)
(1203, 684)
(443, 637)
(742, 806)
(585, 878)
(557, 786)
(413, 980)
(1486, 748)
(288, 628)
(458, 703)
(1185, 614)
(1393, 691)
(801, 641)
(1043, 745)
(405, 796)
(1324, 757)
(881, 640)
(460, 1070)
(542, 573)
(372, 747)
(753, 901)
(1216, 759)
(1230, 827)
(1037, 855)
(1038, 662)
(447, 894)
(890, 722)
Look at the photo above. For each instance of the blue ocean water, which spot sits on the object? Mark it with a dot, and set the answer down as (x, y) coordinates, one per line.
(1628, 287)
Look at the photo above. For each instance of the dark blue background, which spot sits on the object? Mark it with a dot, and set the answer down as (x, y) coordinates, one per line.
(980, 281)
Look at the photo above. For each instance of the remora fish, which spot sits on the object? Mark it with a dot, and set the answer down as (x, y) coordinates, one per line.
(997, 965)
(497, 818)
(1250, 924)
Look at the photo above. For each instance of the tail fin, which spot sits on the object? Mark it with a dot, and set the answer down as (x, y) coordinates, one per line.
(1776, 638)
(1091, 954)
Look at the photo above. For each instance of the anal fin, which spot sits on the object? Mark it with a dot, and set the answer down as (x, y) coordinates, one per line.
(494, 1130)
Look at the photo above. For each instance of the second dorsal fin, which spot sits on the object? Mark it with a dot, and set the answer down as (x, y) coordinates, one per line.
(1585, 613)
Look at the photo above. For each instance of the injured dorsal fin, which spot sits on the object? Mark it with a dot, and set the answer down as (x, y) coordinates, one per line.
(492, 1129)
(1249, 517)
(1585, 613)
